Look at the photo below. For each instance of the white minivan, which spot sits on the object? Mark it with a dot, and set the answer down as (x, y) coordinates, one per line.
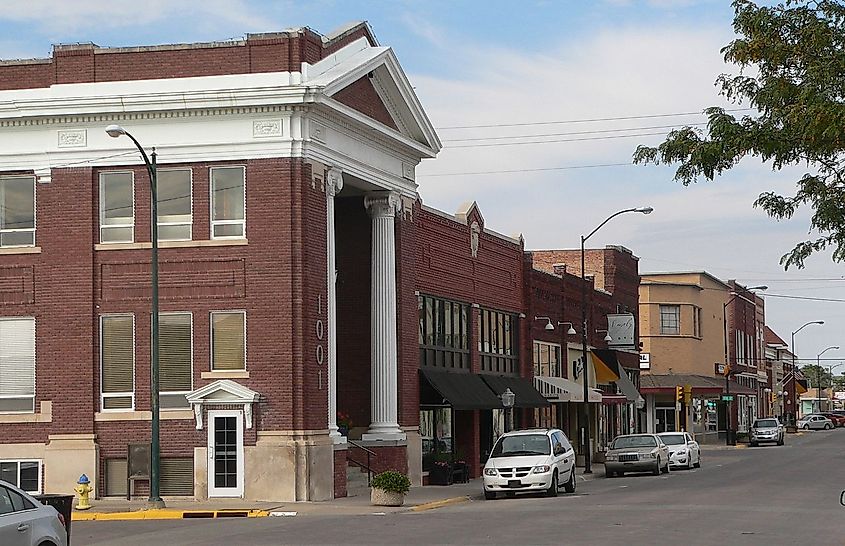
(530, 460)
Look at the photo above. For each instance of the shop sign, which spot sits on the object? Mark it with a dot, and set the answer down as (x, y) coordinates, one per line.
(645, 361)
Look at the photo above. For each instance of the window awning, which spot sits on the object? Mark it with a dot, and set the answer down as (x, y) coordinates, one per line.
(558, 389)
(462, 391)
(526, 395)
(609, 360)
(801, 386)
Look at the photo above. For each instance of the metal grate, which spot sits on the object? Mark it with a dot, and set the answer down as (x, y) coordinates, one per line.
(630, 457)
(177, 476)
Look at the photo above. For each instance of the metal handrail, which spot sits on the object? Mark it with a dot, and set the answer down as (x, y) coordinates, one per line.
(367, 467)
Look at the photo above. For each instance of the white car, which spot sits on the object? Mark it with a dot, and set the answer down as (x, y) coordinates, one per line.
(815, 422)
(530, 460)
(684, 451)
(26, 522)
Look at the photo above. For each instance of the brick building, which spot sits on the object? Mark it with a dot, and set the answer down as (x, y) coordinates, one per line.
(301, 278)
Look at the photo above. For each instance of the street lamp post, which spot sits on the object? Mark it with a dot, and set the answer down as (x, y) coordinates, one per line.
(730, 438)
(819, 374)
(508, 398)
(154, 500)
(585, 414)
(795, 372)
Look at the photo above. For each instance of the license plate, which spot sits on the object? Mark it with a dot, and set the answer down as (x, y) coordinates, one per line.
(514, 483)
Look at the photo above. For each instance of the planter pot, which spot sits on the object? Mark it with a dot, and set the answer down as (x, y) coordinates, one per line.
(380, 497)
(440, 476)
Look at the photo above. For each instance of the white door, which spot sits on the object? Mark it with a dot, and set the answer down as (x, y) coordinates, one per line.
(225, 453)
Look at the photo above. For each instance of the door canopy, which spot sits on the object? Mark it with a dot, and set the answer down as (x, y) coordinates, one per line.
(223, 392)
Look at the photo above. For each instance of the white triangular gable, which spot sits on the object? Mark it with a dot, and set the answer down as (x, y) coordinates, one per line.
(357, 60)
(223, 391)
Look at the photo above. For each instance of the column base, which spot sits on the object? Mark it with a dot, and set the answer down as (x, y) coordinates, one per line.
(337, 438)
(384, 436)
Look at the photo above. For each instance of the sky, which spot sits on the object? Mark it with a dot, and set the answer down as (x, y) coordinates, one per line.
(548, 65)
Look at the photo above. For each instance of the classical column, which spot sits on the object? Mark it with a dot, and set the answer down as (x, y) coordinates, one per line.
(384, 412)
(334, 183)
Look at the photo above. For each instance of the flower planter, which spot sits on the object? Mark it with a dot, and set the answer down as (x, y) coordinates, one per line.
(440, 475)
(380, 497)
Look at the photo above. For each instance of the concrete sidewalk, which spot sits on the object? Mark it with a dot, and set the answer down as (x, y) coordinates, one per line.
(418, 499)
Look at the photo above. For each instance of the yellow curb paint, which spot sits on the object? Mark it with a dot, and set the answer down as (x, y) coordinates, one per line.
(741, 446)
(163, 514)
(439, 503)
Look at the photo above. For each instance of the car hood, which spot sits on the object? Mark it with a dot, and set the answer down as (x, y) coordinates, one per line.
(521, 461)
(765, 429)
(632, 450)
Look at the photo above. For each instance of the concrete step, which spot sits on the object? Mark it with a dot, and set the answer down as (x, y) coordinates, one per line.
(356, 481)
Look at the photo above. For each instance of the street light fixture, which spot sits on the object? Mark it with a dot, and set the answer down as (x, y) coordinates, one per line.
(819, 373)
(585, 414)
(508, 398)
(607, 337)
(730, 438)
(795, 372)
(154, 500)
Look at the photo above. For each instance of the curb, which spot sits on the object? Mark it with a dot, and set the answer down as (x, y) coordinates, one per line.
(438, 504)
(163, 514)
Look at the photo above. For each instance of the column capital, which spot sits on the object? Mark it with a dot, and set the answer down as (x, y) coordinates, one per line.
(383, 204)
(334, 181)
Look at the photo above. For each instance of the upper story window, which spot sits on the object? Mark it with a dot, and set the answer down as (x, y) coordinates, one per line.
(117, 207)
(175, 359)
(696, 321)
(444, 333)
(497, 342)
(174, 204)
(228, 341)
(17, 364)
(670, 320)
(228, 202)
(547, 359)
(17, 211)
(117, 362)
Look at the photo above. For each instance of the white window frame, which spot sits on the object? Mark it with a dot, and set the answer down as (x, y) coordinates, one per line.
(211, 338)
(34, 214)
(40, 464)
(190, 314)
(537, 344)
(104, 395)
(212, 221)
(102, 203)
(677, 307)
(190, 222)
(35, 377)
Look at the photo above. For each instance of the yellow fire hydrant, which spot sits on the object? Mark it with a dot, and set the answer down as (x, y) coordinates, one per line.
(83, 489)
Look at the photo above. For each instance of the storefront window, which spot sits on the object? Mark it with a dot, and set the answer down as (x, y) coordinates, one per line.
(497, 342)
(443, 333)
(436, 432)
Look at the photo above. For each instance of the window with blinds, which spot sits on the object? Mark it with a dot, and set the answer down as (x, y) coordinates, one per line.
(117, 207)
(175, 360)
(177, 477)
(17, 364)
(228, 202)
(117, 362)
(228, 341)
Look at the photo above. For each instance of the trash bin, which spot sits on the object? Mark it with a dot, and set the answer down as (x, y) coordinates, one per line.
(63, 505)
(731, 441)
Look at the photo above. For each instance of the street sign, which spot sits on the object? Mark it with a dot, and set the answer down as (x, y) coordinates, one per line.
(727, 398)
(645, 361)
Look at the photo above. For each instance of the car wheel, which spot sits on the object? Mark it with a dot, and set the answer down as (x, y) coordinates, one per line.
(754, 444)
(489, 495)
(698, 461)
(569, 486)
(656, 470)
(620, 474)
(780, 441)
(609, 473)
(827, 426)
(552, 490)
(806, 427)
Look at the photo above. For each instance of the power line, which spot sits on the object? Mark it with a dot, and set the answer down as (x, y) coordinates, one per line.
(808, 298)
(570, 133)
(588, 120)
(608, 137)
(541, 169)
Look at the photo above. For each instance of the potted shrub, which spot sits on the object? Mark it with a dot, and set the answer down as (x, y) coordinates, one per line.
(389, 488)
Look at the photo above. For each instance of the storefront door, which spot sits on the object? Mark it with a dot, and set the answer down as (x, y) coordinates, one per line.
(665, 420)
(225, 453)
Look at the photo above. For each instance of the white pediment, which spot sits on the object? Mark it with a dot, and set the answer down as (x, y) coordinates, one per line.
(223, 391)
(360, 59)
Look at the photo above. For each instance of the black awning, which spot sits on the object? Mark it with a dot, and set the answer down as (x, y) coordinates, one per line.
(462, 391)
(526, 395)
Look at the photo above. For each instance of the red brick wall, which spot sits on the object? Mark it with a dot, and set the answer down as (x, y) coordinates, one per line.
(407, 319)
(385, 458)
(353, 231)
(340, 466)
(467, 432)
(363, 97)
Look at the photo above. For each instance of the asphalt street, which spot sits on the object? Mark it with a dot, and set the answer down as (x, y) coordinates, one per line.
(765, 495)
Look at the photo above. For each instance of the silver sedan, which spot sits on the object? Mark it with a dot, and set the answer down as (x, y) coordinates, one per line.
(636, 453)
(815, 422)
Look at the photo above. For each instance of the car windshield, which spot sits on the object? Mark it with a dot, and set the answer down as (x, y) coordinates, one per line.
(625, 442)
(765, 423)
(673, 439)
(522, 444)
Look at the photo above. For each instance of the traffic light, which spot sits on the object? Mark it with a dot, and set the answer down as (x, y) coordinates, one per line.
(687, 393)
(774, 396)
(679, 394)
